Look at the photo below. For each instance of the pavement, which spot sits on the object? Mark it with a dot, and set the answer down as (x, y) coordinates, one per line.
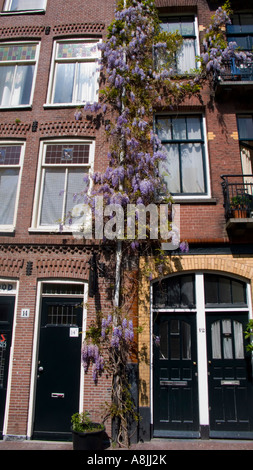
(153, 446)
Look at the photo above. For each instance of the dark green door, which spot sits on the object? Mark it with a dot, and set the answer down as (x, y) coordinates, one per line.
(175, 376)
(6, 321)
(229, 375)
(58, 375)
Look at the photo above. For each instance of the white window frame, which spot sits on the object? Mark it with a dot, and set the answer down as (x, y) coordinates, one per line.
(40, 183)
(22, 62)
(7, 6)
(4, 228)
(196, 30)
(55, 61)
(193, 197)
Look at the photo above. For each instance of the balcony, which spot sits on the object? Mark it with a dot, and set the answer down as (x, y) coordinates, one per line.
(238, 203)
(236, 76)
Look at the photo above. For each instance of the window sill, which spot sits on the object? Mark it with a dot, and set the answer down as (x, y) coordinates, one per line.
(62, 105)
(22, 12)
(7, 230)
(18, 107)
(191, 200)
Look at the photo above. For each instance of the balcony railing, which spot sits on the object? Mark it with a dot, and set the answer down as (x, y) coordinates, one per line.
(236, 71)
(238, 196)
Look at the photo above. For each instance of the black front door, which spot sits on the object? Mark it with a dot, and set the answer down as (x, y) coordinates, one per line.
(175, 376)
(230, 376)
(6, 320)
(58, 375)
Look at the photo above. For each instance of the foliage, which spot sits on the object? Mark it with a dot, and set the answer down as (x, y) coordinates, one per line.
(81, 422)
(248, 334)
(217, 51)
(108, 346)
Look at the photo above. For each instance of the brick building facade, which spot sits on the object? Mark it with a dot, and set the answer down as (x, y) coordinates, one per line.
(45, 274)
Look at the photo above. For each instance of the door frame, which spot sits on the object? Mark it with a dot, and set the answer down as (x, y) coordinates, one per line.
(36, 337)
(201, 313)
(11, 293)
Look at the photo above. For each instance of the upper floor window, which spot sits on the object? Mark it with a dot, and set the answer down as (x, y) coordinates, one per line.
(184, 170)
(241, 30)
(74, 76)
(11, 157)
(17, 73)
(185, 59)
(60, 182)
(24, 5)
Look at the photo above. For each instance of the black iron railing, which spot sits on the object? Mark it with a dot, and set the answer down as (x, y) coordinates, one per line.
(236, 71)
(238, 195)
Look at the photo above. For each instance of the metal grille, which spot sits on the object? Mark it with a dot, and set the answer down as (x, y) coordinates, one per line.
(62, 314)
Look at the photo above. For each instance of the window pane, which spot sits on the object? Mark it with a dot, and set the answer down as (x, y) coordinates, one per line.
(163, 340)
(211, 289)
(53, 197)
(238, 338)
(245, 126)
(193, 128)
(186, 340)
(170, 169)
(179, 129)
(75, 186)
(22, 85)
(187, 291)
(14, 52)
(8, 191)
(192, 168)
(238, 292)
(6, 80)
(86, 82)
(216, 344)
(27, 5)
(227, 339)
(79, 154)
(186, 56)
(64, 83)
(225, 291)
(68, 50)
(163, 129)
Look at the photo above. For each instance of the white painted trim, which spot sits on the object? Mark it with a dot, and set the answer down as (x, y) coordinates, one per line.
(201, 351)
(8, 392)
(33, 381)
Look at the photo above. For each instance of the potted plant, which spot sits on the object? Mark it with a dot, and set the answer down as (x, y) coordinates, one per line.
(86, 434)
(239, 206)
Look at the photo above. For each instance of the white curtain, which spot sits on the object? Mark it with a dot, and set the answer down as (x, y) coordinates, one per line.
(15, 84)
(8, 192)
(216, 345)
(87, 84)
(6, 80)
(169, 169)
(192, 168)
(238, 336)
(186, 56)
(75, 186)
(64, 83)
(227, 340)
(53, 196)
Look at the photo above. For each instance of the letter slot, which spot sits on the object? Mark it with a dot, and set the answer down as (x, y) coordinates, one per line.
(57, 395)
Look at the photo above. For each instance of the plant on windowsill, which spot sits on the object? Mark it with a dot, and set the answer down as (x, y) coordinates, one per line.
(86, 434)
(239, 206)
(78, 114)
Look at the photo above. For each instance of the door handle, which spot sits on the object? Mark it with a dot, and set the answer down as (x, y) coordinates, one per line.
(41, 369)
(194, 363)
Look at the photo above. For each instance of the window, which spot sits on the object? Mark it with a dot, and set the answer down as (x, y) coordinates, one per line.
(224, 291)
(17, 73)
(184, 169)
(10, 166)
(74, 76)
(241, 30)
(60, 182)
(245, 130)
(24, 5)
(185, 59)
(175, 292)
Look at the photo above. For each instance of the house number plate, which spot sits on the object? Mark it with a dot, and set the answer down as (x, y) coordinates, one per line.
(230, 382)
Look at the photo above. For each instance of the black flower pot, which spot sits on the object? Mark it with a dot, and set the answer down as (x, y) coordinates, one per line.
(88, 440)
